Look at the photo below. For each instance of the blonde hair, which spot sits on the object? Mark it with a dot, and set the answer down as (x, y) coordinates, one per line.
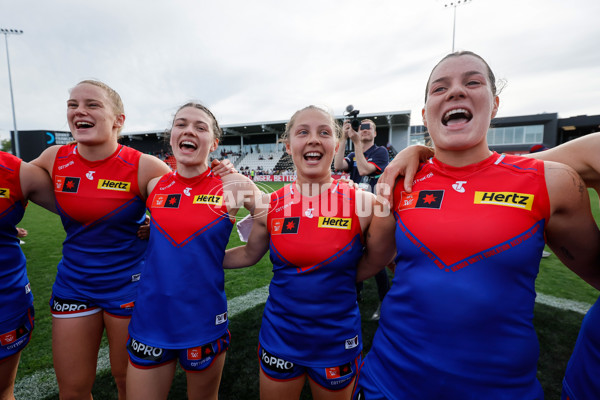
(337, 130)
(113, 96)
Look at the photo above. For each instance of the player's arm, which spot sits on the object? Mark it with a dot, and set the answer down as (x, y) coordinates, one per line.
(365, 205)
(339, 161)
(222, 167)
(380, 245)
(37, 186)
(406, 164)
(150, 167)
(258, 241)
(239, 191)
(46, 159)
(581, 154)
(572, 232)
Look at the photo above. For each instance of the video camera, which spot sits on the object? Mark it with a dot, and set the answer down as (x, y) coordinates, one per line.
(352, 116)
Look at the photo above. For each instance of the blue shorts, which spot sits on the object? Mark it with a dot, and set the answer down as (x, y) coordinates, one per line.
(336, 377)
(194, 359)
(15, 333)
(73, 308)
(365, 389)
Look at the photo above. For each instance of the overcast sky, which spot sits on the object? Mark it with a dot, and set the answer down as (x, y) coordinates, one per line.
(261, 60)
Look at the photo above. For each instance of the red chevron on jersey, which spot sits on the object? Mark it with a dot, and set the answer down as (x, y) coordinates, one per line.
(323, 227)
(103, 187)
(184, 208)
(470, 200)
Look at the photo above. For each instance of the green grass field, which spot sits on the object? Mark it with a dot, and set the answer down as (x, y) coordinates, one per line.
(557, 329)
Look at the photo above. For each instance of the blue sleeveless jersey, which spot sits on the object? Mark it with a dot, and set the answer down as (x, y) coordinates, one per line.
(181, 299)
(582, 378)
(311, 316)
(101, 209)
(15, 291)
(457, 321)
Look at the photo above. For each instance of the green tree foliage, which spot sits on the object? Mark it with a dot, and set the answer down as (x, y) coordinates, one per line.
(5, 145)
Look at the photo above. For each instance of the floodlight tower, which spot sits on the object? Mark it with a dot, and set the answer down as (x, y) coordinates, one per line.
(7, 32)
(455, 4)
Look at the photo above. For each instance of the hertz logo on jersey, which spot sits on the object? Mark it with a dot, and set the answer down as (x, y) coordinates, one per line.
(114, 185)
(4, 193)
(208, 199)
(337, 223)
(509, 199)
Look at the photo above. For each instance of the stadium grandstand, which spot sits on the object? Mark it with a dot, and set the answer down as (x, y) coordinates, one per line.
(256, 150)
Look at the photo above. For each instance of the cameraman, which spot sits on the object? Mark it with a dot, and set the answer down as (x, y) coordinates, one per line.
(365, 165)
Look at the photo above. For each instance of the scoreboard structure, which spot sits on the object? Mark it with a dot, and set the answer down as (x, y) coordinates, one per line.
(32, 143)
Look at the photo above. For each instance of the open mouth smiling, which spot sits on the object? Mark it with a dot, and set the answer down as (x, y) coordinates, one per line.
(187, 145)
(456, 116)
(313, 156)
(84, 125)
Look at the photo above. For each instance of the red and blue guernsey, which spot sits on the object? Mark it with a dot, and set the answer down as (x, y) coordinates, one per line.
(181, 300)
(15, 295)
(101, 209)
(581, 377)
(457, 322)
(311, 316)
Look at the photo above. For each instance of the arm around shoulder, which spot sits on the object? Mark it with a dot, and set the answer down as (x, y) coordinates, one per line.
(380, 246)
(46, 159)
(258, 241)
(240, 191)
(37, 186)
(572, 232)
(581, 154)
(149, 168)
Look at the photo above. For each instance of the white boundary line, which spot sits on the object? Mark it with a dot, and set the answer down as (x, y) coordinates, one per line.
(43, 383)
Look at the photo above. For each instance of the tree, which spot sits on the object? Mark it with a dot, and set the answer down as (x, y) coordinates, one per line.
(6, 145)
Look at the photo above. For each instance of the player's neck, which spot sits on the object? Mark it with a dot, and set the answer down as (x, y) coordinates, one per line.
(313, 187)
(97, 152)
(191, 171)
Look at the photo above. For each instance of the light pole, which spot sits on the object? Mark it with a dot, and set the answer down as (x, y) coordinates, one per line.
(7, 32)
(455, 4)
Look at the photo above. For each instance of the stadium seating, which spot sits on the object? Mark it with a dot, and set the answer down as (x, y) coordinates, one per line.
(266, 161)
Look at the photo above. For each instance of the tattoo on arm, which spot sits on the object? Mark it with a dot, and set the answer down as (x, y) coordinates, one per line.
(566, 253)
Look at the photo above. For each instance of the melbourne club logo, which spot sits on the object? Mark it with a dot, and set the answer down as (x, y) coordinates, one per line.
(66, 184)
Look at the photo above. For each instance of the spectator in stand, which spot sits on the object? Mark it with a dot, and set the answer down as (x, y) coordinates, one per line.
(365, 165)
